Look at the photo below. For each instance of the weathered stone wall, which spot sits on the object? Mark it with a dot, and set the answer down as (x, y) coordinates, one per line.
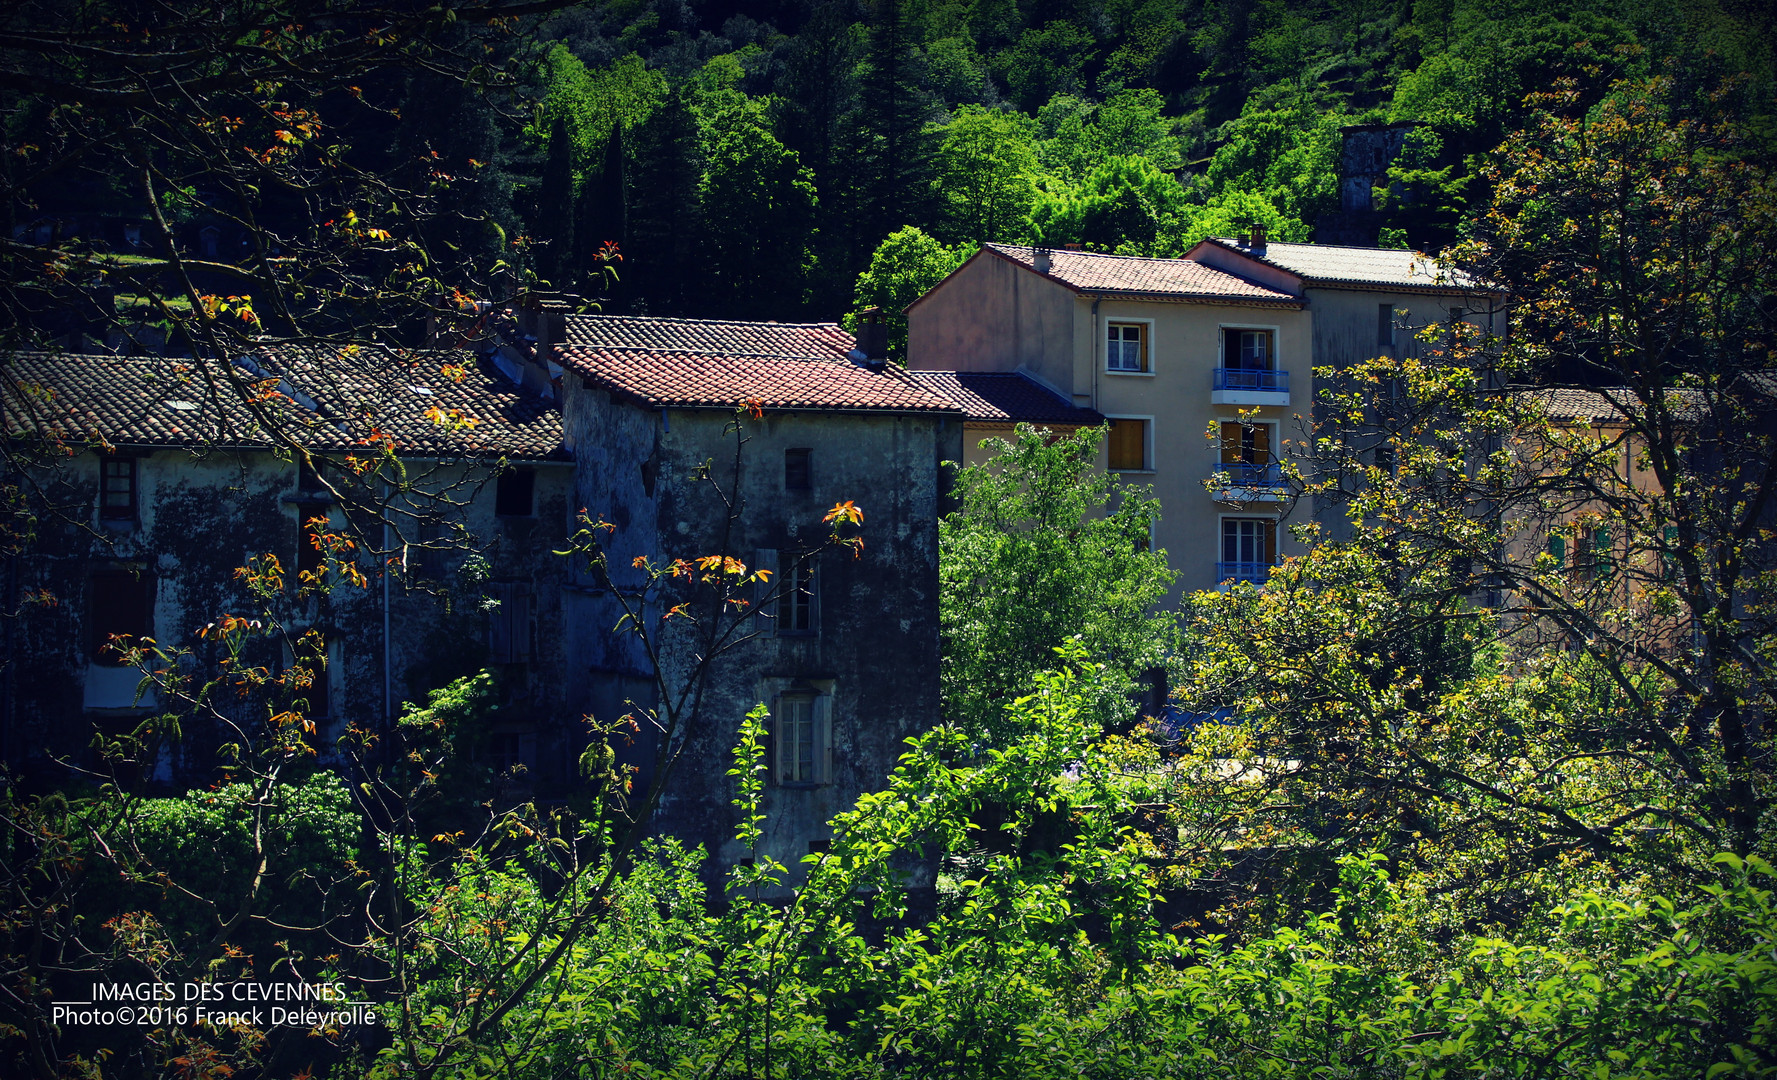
(874, 654)
(199, 518)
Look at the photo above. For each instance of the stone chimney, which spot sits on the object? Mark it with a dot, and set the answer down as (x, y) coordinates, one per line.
(1040, 260)
(872, 340)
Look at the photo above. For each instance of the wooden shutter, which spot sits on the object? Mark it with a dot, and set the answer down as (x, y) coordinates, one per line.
(509, 625)
(1260, 434)
(1230, 442)
(1128, 449)
(1270, 528)
(765, 559)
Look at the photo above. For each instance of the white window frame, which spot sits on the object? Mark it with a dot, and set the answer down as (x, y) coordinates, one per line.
(1147, 450)
(1222, 531)
(1104, 346)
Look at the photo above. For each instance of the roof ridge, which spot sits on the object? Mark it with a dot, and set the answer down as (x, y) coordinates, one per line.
(1100, 254)
(712, 322)
(714, 353)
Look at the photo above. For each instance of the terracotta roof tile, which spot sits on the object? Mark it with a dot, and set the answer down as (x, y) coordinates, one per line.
(1336, 264)
(1089, 271)
(702, 363)
(1005, 398)
(324, 399)
(709, 337)
(701, 380)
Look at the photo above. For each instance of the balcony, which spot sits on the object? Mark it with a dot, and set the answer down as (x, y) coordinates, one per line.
(1247, 481)
(1256, 573)
(1249, 386)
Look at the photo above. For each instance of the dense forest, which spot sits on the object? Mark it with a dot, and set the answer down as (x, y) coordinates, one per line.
(750, 160)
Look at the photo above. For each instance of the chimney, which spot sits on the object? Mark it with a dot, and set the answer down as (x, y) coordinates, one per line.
(872, 340)
(1256, 238)
(1073, 247)
(1040, 260)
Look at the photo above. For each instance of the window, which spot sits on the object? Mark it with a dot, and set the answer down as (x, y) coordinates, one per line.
(514, 491)
(1249, 549)
(1126, 347)
(310, 559)
(800, 739)
(1127, 444)
(1385, 326)
(119, 602)
(510, 751)
(1594, 550)
(1247, 350)
(1558, 550)
(509, 624)
(117, 488)
(1247, 456)
(796, 599)
(1384, 456)
(796, 473)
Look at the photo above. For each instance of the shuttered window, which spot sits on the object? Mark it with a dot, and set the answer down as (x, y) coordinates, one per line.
(509, 624)
(1248, 444)
(1127, 445)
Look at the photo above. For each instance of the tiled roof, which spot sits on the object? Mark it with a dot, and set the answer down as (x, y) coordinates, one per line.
(699, 380)
(697, 363)
(1333, 264)
(708, 337)
(1612, 404)
(1088, 271)
(1005, 398)
(328, 400)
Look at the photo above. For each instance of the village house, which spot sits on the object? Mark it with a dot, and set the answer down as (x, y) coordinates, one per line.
(844, 652)
(152, 484)
(1203, 366)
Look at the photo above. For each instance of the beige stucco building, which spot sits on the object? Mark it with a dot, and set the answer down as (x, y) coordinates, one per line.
(1202, 366)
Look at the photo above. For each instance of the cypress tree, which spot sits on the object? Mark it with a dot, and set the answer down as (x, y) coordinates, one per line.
(555, 207)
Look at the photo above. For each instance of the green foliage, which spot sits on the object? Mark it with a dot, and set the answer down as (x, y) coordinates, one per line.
(1045, 549)
(1044, 956)
(758, 204)
(1124, 205)
(986, 171)
(906, 265)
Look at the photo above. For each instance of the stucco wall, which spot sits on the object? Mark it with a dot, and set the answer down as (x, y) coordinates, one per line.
(992, 315)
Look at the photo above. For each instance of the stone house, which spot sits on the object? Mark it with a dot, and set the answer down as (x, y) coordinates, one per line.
(845, 656)
(1203, 366)
(151, 483)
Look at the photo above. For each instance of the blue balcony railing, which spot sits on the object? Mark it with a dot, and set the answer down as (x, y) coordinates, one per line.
(1277, 382)
(1255, 572)
(1250, 474)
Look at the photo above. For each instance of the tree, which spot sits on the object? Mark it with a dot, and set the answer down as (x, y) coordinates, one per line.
(1045, 549)
(906, 265)
(758, 204)
(985, 168)
(1535, 655)
(1124, 205)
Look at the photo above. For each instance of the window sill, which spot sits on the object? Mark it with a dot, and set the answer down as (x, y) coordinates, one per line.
(1132, 472)
(801, 785)
(1137, 374)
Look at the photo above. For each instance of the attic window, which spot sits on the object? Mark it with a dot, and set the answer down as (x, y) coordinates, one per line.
(117, 489)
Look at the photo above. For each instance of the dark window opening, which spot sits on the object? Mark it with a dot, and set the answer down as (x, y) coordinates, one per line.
(117, 489)
(310, 559)
(1385, 458)
(514, 493)
(819, 847)
(119, 602)
(1385, 326)
(509, 624)
(796, 470)
(1247, 350)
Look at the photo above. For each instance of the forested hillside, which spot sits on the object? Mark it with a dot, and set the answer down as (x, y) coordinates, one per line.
(750, 158)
